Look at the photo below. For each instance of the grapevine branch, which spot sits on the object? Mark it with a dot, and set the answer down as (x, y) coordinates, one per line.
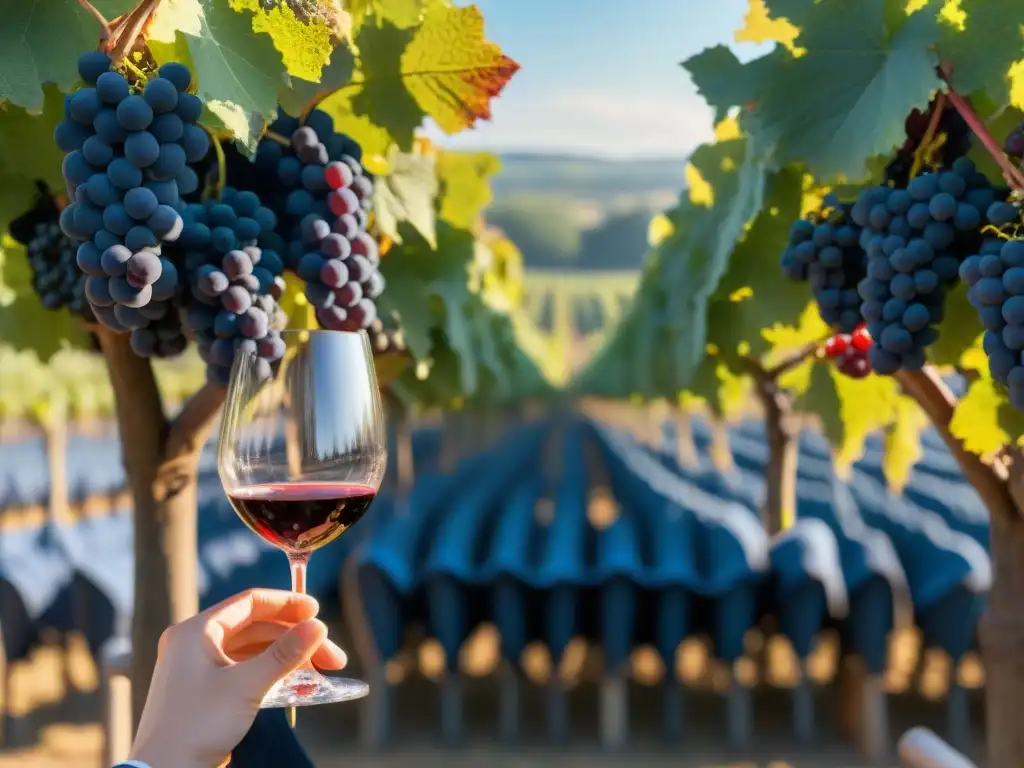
(939, 402)
(125, 32)
(1014, 176)
(186, 436)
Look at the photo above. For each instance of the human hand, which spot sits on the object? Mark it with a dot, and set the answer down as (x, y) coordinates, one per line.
(214, 669)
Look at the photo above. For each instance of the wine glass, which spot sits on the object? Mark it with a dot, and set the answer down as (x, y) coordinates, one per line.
(301, 456)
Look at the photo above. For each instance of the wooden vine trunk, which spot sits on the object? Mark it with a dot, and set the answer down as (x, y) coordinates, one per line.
(161, 463)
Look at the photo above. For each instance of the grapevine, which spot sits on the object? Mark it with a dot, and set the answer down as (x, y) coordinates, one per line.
(56, 277)
(127, 164)
(151, 260)
(851, 352)
(825, 251)
(313, 179)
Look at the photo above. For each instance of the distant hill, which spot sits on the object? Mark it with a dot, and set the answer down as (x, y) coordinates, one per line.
(569, 212)
(589, 178)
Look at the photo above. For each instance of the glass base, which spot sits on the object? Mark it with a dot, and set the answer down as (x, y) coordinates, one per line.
(306, 687)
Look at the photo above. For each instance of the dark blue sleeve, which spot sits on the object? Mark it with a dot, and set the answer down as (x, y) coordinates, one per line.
(270, 743)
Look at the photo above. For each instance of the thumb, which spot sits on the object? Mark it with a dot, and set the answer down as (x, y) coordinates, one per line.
(282, 657)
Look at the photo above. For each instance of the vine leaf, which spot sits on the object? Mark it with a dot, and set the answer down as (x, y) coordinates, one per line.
(959, 328)
(239, 71)
(305, 43)
(40, 42)
(983, 50)
(984, 419)
(902, 442)
(458, 330)
(300, 94)
(795, 11)
(464, 187)
(720, 78)
(407, 193)
(452, 71)
(753, 294)
(383, 94)
(696, 257)
(27, 148)
(845, 100)
(375, 140)
(402, 13)
(851, 409)
(420, 279)
(24, 322)
(759, 28)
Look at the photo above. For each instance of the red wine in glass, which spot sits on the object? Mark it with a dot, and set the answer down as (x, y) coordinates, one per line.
(301, 517)
(302, 452)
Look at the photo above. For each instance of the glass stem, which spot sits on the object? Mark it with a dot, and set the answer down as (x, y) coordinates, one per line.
(298, 563)
(298, 567)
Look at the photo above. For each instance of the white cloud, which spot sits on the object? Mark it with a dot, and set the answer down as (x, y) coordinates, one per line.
(591, 121)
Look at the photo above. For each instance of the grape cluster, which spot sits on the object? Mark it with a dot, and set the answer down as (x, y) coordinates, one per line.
(850, 352)
(232, 284)
(1014, 144)
(56, 278)
(386, 337)
(995, 276)
(316, 184)
(127, 165)
(955, 137)
(912, 238)
(825, 251)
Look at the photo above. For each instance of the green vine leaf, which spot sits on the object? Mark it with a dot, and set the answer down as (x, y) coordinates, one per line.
(697, 255)
(991, 40)
(846, 99)
(407, 193)
(465, 189)
(721, 79)
(25, 324)
(239, 71)
(297, 96)
(382, 93)
(753, 294)
(402, 13)
(40, 42)
(27, 148)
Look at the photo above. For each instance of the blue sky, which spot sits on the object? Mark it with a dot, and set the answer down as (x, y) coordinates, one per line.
(602, 77)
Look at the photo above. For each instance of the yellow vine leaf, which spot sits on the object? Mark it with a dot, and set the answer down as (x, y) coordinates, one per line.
(814, 196)
(451, 70)
(951, 11)
(1016, 76)
(659, 230)
(734, 394)
(700, 191)
(976, 418)
(758, 27)
(903, 442)
(727, 130)
(866, 405)
(305, 46)
(788, 339)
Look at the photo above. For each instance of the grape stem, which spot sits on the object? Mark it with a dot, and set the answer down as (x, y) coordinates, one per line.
(277, 137)
(925, 146)
(126, 30)
(187, 434)
(222, 164)
(808, 350)
(1013, 175)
